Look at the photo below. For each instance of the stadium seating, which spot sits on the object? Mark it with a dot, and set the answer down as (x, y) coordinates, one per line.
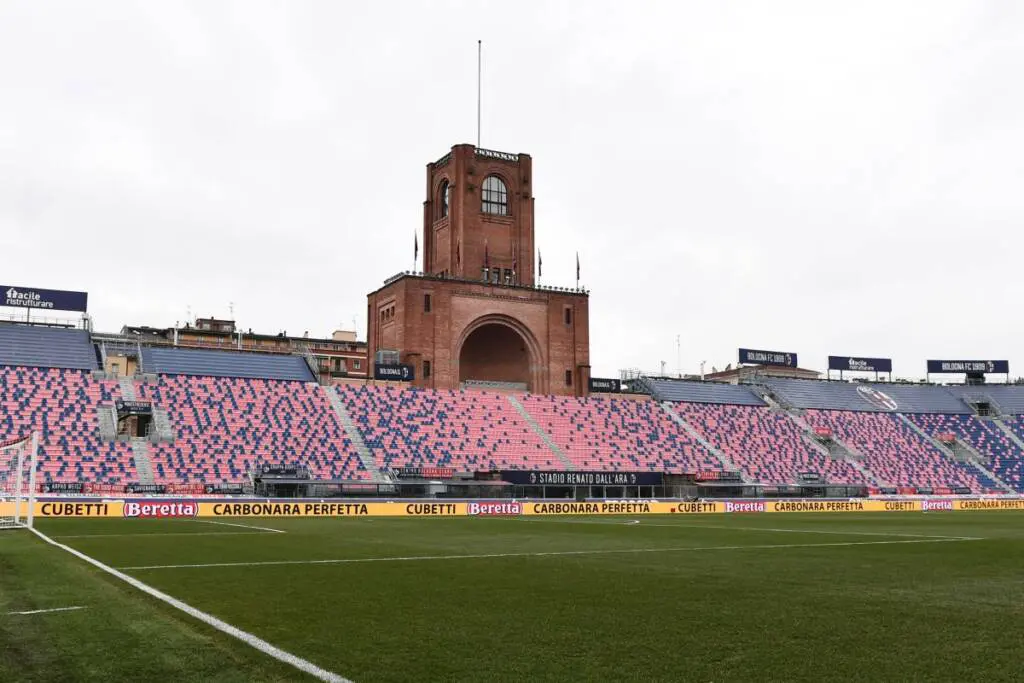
(767, 446)
(893, 452)
(704, 392)
(178, 361)
(1006, 459)
(618, 434)
(46, 347)
(225, 425)
(467, 430)
(1008, 398)
(62, 405)
(908, 398)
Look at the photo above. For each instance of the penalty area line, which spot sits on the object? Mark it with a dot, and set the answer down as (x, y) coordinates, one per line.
(222, 626)
(552, 553)
(47, 611)
(727, 527)
(239, 525)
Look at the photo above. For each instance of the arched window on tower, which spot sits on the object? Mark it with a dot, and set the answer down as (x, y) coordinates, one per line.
(495, 196)
(443, 197)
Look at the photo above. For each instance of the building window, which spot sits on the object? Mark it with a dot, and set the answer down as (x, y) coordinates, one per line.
(443, 199)
(356, 364)
(495, 275)
(508, 276)
(426, 303)
(568, 378)
(568, 316)
(495, 196)
(426, 369)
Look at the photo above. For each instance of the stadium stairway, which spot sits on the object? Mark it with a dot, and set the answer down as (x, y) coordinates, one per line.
(127, 388)
(107, 422)
(972, 458)
(837, 450)
(362, 450)
(143, 463)
(727, 464)
(555, 448)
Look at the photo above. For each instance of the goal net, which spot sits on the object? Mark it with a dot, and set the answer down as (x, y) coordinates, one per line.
(18, 481)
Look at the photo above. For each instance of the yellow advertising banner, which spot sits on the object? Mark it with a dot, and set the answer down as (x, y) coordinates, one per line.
(159, 508)
(993, 504)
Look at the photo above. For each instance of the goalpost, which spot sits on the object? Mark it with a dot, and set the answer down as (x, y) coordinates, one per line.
(18, 460)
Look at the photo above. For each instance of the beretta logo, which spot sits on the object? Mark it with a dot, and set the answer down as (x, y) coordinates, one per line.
(877, 398)
(160, 510)
(936, 505)
(752, 506)
(495, 509)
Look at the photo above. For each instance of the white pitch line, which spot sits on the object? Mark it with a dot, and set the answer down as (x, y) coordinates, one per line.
(47, 611)
(240, 526)
(222, 626)
(736, 528)
(159, 534)
(554, 553)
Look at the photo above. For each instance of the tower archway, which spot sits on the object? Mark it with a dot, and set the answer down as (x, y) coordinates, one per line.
(497, 348)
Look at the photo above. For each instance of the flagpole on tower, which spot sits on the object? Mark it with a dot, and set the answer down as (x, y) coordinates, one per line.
(479, 71)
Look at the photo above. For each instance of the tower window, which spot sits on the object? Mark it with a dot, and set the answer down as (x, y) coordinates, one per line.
(426, 303)
(568, 316)
(426, 369)
(495, 196)
(443, 198)
(568, 378)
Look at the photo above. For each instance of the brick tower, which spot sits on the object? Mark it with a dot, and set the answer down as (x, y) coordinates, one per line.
(475, 315)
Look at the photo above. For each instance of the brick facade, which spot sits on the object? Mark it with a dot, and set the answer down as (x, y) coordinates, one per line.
(475, 314)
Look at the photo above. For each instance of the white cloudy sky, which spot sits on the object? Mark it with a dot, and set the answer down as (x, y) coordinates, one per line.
(819, 177)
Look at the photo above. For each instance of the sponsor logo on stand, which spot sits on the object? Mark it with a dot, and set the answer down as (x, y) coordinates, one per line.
(877, 398)
(752, 506)
(496, 509)
(135, 510)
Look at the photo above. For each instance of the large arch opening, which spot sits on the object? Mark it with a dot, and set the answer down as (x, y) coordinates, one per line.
(496, 352)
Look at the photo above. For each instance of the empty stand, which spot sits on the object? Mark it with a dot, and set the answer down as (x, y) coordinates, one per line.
(467, 430)
(1009, 398)
(907, 398)
(202, 362)
(1005, 458)
(46, 347)
(704, 392)
(767, 445)
(62, 405)
(618, 434)
(225, 425)
(894, 452)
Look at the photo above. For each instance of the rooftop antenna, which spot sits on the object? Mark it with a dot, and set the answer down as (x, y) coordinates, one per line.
(479, 71)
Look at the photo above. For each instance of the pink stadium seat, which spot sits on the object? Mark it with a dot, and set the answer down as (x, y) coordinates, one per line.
(618, 434)
(894, 452)
(62, 406)
(766, 445)
(226, 425)
(465, 430)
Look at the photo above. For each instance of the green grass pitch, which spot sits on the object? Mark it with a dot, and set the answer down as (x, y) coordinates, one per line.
(783, 597)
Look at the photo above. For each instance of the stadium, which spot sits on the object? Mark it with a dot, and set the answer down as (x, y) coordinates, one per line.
(236, 487)
(465, 492)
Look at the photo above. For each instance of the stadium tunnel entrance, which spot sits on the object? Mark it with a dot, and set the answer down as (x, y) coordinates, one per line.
(499, 350)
